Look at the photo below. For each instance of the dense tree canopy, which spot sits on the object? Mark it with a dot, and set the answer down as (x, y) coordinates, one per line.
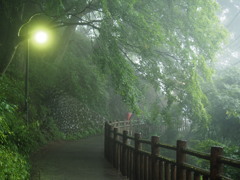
(168, 43)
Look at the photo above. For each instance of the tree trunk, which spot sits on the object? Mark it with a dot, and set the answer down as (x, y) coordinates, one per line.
(6, 60)
(9, 43)
(9, 40)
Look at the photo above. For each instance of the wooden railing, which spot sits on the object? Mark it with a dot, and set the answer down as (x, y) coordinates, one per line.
(138, 164)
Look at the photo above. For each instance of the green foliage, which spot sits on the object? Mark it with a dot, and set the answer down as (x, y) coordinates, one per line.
(231, 151)
(228, 91)
(168, 44)
(13, 166)
(224, 106)
(83, 82)
(119, 72)
(18, 139)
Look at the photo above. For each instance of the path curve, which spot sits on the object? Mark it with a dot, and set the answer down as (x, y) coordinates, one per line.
(74, 160)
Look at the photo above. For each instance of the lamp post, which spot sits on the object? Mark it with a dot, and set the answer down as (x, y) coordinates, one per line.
(37, 29)
(26, 81)
(40, 37)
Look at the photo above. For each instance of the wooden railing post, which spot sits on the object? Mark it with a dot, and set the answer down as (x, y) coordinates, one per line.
(124, 153)
(108, 141)
(111, 143)
(181, 158)
(115, 149)
(137, 137)
(154, 154)
(215, 165)
(173, 172)
(106, 145)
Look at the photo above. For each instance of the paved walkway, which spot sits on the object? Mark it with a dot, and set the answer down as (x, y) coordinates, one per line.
(75, 160)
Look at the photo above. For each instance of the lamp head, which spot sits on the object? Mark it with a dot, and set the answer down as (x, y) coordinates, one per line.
(40, 36)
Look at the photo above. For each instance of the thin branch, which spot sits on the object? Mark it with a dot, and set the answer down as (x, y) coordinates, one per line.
(164, 54)
(131, 45)
(131, 61)
(88, 8)
(125, 54)
(92, 21)
(38, 4)
(64, 24)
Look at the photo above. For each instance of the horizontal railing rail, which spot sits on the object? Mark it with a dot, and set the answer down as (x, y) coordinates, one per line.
(138, 164)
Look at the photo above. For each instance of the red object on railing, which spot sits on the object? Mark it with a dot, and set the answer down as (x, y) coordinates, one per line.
(129, 115)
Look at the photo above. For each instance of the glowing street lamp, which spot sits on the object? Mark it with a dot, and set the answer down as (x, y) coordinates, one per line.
(35, 30)
(40, 36)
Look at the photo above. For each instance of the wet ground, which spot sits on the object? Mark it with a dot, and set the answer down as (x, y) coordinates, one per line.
(75, 160)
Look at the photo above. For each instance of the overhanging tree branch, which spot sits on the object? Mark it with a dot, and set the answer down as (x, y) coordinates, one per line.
(75, 24)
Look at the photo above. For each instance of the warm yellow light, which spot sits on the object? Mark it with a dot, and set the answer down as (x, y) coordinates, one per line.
(41, 37)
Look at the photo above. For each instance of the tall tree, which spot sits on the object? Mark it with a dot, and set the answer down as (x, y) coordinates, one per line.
(224, 97)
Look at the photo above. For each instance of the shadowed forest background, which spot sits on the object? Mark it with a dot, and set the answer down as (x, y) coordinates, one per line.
(173, 63)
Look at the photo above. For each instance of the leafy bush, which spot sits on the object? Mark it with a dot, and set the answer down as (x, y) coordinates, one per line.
(17, 138)
(13, 165)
